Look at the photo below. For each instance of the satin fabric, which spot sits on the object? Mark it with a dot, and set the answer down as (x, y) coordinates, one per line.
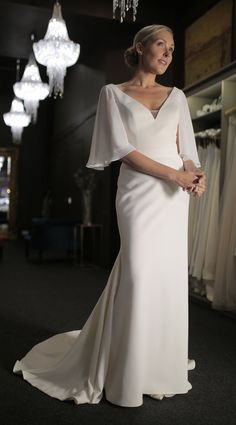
(135, 340)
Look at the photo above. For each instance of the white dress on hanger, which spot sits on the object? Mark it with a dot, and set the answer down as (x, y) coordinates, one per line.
(207, 220)
(209, 268)
(135, 340)
(224, 297)
(194, 208)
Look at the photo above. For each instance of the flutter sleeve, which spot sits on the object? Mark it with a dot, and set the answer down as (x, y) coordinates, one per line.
(187, 142)
(109, 141)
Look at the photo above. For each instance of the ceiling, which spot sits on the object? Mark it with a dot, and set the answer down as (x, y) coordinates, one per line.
(87, 20)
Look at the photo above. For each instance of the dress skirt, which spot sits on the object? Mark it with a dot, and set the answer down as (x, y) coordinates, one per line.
(135, 340)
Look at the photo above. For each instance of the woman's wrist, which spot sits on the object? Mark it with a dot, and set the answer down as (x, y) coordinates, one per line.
(189, 165)
(172, 175)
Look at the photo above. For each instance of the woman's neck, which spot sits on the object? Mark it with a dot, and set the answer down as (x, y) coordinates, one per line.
(143, 79)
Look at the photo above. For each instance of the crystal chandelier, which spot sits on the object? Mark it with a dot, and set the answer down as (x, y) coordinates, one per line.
(16, 119)
(124, 6)
(31, 88)
(1, 162)
(56, 51)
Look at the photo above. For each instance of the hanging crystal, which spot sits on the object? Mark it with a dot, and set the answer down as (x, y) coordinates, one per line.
(56, 51)
(2, 159)
(31, 88)
(124, 6)
(16, 119)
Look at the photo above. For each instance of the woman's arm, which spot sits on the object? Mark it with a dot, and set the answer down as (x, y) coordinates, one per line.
(200, 185)
(189, 165)
(146, 165)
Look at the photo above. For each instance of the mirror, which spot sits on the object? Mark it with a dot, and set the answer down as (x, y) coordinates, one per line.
(8, 192)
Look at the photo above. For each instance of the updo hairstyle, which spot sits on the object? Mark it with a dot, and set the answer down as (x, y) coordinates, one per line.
(142, 36)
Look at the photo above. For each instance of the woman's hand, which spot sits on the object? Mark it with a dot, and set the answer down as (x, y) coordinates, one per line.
(188, 179)
(200, 185)
(199, 188)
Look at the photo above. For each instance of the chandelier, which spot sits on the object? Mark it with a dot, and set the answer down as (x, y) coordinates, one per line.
(56, 51)
(1, 162)
(16, 119)
(31, 88)
(124, 6)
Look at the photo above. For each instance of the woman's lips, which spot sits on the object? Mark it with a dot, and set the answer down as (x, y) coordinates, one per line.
(163, 62)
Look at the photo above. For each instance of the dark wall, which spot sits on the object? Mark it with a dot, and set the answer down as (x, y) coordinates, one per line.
(73, 126)
(34, 167)
(34, 151)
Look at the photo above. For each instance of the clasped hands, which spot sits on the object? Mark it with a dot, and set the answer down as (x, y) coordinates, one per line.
(198, 186)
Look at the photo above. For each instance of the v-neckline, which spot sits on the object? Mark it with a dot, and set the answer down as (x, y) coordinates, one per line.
(144, 106)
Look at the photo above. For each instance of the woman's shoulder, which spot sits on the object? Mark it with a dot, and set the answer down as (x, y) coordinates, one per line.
(170, 88)
(111, 89)
(107, 87)
(112, 86)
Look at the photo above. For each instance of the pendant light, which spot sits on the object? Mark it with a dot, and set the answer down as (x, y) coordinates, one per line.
(17, 118)
(31, 88)
(56, 51)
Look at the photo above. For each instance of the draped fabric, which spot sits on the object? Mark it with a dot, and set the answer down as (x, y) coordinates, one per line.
(188, 149)
(225, 276)
(110, 141)
(114, 139)
(204, 225)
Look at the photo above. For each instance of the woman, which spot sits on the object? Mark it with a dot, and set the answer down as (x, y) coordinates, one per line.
(135, 341)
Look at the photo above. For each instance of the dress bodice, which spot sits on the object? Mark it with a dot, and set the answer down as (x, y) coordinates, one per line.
(152, 135)
(124, 124)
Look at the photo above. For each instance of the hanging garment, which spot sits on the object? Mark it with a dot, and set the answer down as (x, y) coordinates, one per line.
(204, 225)
(224, 286)
(135, 341)
(194, 207)
(198, 227)
(206, 212)
(209, 267)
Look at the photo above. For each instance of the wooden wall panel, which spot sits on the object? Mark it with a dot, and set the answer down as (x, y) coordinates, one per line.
(208, 42)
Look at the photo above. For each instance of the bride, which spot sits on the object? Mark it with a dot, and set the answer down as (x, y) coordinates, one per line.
(135, 340)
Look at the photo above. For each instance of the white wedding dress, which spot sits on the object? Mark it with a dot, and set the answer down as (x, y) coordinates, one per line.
(135, 340)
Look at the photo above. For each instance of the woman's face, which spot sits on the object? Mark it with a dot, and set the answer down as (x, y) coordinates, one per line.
(157, 52)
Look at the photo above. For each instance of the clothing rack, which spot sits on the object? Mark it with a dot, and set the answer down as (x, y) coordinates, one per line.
(231, 110)
(206, 141)
(209, 133)
(204, 138)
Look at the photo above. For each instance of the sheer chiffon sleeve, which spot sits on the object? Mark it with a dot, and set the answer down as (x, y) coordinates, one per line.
(109, 141)
(187, 143)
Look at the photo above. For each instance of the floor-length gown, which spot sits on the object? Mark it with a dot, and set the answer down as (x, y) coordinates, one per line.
(135, 340)
(225, 277)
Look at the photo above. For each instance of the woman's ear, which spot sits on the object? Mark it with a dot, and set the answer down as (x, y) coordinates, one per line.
(139, 48)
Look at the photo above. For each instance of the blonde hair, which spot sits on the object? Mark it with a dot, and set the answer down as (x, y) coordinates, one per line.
(142, 36)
